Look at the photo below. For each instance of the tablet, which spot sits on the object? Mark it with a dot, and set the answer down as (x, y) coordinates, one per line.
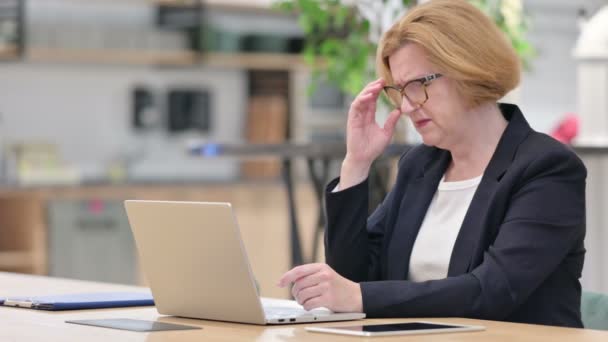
(409, 328)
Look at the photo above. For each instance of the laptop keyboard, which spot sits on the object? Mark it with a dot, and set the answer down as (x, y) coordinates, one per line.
(281, 312)
(276, 308)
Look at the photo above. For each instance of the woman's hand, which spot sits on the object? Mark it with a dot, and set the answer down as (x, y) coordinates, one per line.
(365, 139)
(318, 285)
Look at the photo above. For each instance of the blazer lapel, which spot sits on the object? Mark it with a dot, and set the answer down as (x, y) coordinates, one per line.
(412, 210)
(473, 226)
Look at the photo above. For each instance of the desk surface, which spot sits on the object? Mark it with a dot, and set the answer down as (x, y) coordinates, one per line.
(32, 325)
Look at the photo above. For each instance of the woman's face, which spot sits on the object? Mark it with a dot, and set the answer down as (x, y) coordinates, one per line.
(441, 120)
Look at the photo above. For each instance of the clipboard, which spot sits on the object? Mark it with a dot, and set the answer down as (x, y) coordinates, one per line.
(79, 301)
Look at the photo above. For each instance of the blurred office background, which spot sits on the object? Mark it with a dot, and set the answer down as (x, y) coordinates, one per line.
(102, 100)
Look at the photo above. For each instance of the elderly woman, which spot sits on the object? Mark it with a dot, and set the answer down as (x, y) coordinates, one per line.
(486, 218)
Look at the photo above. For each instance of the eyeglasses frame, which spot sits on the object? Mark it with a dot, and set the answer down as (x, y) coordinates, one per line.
(424, 81)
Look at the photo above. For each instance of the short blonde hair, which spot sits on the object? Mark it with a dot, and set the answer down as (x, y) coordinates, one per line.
(462, 42)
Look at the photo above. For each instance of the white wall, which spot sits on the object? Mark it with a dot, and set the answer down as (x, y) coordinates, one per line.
(549, 89)
(86, 110)
(595, 272)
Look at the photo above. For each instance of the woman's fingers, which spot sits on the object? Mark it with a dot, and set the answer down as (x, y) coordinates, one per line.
(298, 272)
(313, 303)
(310, 281)
(365, 101)
(366, 104)
(391, 122)
(311, 292)
(377, 83)
(318, 285)
(369, 93)
(375, 90)
(361, 102)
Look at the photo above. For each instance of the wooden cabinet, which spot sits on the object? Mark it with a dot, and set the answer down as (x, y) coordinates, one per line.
(90, 239)
(261, 211)
(23, 233)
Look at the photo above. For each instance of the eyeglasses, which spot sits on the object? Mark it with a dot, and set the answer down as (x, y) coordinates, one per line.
(414, 91)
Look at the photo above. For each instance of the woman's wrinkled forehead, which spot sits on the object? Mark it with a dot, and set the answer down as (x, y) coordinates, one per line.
(409, 62)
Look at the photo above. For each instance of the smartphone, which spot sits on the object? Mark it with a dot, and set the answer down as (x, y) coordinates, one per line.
(409, 328)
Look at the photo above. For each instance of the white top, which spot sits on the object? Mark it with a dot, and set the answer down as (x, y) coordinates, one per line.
(432, 249)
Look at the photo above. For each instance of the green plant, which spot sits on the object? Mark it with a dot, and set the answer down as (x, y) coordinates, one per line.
(511, 19)
(338, 46)
(337, 36)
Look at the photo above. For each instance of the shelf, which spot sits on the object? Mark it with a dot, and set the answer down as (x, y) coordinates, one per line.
(175, 2)
(276, 61)
(8, 52)
(258, 60)
(10, 260)
(106, 56)
(237, 5)
(265, 6)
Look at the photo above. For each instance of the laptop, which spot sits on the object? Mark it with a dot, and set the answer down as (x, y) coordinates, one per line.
(196, 265)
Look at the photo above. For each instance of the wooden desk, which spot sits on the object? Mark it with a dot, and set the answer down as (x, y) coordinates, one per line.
(31, 325)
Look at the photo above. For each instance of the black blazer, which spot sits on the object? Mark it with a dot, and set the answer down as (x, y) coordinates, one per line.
(518, 256)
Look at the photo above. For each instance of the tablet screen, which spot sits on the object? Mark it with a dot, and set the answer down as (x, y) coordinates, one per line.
(396, 329)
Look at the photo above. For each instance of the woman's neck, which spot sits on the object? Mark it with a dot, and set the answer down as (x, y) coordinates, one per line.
(472, 154)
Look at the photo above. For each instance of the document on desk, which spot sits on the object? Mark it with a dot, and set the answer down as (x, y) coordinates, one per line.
(77, 301)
